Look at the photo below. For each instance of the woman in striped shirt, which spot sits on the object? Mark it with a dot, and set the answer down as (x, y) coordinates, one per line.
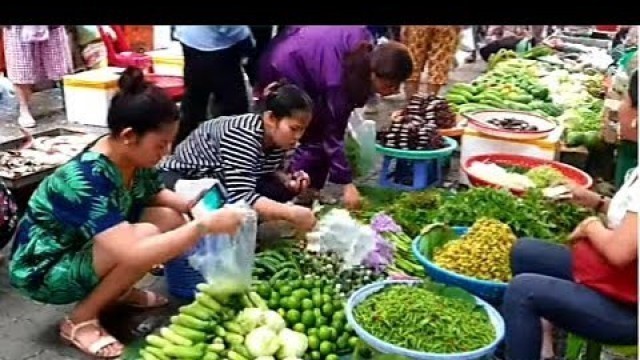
(246, 153)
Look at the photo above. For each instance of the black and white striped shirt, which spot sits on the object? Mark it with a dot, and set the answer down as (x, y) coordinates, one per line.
(230, 149)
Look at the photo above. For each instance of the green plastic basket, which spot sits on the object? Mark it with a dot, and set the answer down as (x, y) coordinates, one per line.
(445, 152)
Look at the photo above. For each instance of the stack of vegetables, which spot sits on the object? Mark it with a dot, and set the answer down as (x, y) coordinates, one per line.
(312, 306)
(511, 86)
(237, 327)
(426, 317)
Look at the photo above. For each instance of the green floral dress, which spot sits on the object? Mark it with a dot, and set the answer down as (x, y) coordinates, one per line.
(52, 258)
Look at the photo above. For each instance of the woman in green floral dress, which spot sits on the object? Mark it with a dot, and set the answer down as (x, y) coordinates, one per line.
(101, 221)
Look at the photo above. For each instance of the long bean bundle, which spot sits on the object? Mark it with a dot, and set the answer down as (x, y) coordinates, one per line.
(416, 318)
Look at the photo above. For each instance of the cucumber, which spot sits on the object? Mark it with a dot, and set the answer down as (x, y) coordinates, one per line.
(190, 322)
(183, 352)
(147, 355)
(234, 327)
(216, 348)
(211, 356)
(175, 338)
(157, 341)
(208, 302)
(242, 350)
(465, 87)
(493, 103)
(157, 352)
(490, 96)
(193, 335)
(516, 105)
(523, 99)
(196, 311)
(234, 339)
(457, 99)
(235, 356)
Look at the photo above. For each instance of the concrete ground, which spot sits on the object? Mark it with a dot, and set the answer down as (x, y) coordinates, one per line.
(29, 330)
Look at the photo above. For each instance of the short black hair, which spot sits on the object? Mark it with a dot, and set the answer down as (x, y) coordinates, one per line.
(139, 105)
(392, 61)
(633, 89)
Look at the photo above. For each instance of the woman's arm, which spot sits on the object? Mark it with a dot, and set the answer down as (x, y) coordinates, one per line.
(170, 199)
(618, 246)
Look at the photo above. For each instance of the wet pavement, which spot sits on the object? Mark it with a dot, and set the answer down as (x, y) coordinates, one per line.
(28, 330)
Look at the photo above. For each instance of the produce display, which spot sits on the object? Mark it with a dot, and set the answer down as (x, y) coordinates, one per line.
(483, 253)
(426, 318)
(312, 306)
(239, 327)
(546, 176)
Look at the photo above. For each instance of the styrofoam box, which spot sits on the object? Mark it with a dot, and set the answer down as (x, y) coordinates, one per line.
(169, 62)
(476, 143)
(88, 95)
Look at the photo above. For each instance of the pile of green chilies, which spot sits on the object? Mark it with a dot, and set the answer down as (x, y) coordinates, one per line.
(417, 319)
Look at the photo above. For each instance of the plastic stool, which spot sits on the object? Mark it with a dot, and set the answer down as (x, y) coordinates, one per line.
(425, 173)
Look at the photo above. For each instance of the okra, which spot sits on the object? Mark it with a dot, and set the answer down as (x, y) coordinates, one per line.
(183, 352)
(175, 338)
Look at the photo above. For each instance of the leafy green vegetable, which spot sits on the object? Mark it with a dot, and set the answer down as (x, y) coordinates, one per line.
(435, 236)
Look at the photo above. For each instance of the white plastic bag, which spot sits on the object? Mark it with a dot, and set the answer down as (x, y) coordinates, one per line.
(364, 133)
(226, 261)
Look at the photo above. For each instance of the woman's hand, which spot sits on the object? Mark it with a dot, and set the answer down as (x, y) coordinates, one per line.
(351, 197)
(580, 232)
(297, 182)
(584, 197)
(223, 221)
(301, 217)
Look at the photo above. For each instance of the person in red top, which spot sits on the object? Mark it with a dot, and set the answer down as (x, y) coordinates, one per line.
(591, 288)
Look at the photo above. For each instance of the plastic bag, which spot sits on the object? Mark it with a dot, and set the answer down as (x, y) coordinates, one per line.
(226, 261)
(364, 133)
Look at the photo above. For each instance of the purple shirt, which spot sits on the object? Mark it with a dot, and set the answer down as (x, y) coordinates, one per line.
(311, 57)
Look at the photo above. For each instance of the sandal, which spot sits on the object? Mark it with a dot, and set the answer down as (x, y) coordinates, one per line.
(97, 346)
(151, 299)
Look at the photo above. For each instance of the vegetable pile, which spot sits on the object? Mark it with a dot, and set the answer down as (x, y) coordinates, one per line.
(540, 177)
(238, 327)
(426, 318)
(314, 307)
(483, 253)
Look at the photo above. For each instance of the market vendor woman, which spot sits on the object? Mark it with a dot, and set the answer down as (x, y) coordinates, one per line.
(100, 222)
(339, 67)
(246, 153)
(591, 289)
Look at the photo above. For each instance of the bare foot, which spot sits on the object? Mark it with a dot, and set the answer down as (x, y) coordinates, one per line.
(91, 338)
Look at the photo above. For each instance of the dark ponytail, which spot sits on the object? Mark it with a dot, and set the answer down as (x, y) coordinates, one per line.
(139, 105)
(283, 100)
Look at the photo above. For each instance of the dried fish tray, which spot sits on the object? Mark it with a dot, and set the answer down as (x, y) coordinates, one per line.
(33, 145)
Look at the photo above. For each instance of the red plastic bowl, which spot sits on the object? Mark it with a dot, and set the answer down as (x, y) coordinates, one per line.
(573, 174)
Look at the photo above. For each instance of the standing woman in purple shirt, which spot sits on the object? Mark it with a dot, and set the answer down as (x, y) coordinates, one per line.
(339, 67)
